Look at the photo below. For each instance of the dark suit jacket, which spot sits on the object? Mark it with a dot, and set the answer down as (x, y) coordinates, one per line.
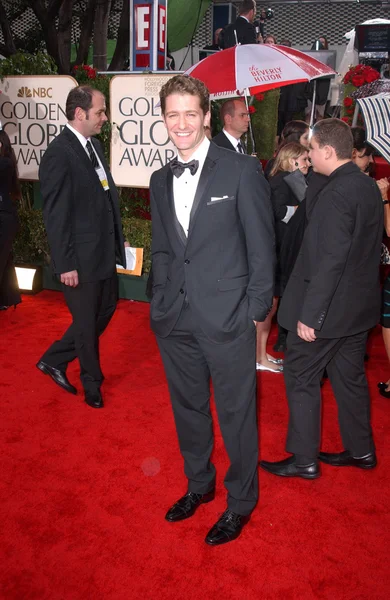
(246, 33)
(334, 286)
(6, 169)
(223, 141)
(226, 266)
(83, 225)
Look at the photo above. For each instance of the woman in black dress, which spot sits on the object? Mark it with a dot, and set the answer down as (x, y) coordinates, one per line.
(9, 194)
(288, 188)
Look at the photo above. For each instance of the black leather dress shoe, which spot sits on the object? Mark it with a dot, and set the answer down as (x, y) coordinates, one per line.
(187, 505)
(59, 377)
(94, 399)
(288, 468)
(226, 529)
(382, 389)
(345, 459)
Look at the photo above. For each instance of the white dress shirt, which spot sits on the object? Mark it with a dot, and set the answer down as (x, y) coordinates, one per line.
(83, 141)
(184, 187)
(234, 141)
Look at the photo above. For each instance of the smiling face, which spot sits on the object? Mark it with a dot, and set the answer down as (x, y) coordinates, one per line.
(302, 163)
(185, 123)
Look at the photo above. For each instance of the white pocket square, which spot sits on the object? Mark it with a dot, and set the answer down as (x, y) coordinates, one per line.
(215, 198)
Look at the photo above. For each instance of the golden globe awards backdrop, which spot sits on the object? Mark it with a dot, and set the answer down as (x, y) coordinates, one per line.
(139, 141)
(32, 112)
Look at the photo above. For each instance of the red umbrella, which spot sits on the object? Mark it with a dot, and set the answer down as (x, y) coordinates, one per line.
(256, 68)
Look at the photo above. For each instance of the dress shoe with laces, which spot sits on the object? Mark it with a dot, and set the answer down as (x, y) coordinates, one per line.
(345, 459)
(288, 468)
(186, 506)
(59, 377)
(94, 399)
(226, 529)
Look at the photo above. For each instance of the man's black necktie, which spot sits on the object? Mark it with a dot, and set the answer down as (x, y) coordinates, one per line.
(92, 155)
(240, 148)
(178, 167)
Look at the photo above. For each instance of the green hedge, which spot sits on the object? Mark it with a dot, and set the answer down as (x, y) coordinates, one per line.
(31, 244)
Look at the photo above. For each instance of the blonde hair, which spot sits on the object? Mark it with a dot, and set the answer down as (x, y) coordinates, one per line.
(292, 150)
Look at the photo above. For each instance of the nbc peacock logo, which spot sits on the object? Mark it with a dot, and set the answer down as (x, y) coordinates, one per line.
(24, 92)
(40, 92)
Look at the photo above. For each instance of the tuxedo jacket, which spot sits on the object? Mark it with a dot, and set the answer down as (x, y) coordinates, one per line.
(82, 220)
(223, 141)
(246, 33)
(225, 268)
(334, 286)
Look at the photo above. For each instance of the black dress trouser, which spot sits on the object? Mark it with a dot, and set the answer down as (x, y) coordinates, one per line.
(91, 305)
(190, 359)
(303, 368)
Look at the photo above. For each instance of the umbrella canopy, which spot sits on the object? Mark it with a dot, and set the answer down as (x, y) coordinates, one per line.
(257, 67)
(379, 86)
(376, 113)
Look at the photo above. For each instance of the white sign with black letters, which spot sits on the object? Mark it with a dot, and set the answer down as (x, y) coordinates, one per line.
(32, 112)
(139, 142)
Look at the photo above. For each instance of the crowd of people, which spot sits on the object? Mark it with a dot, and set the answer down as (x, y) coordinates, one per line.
(229, 249)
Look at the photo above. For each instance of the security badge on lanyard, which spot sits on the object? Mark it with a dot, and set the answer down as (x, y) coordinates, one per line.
(103, 178)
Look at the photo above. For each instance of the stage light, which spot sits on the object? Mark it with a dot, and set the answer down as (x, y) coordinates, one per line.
(29, 278)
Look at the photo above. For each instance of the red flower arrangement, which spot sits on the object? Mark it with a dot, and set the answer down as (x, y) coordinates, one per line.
(356, 77)
(251, 110)
(83, 72)
(259, 97)
(360, 75)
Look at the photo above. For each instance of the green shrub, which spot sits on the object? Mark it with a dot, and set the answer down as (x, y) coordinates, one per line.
(23, 63)
(31, 245)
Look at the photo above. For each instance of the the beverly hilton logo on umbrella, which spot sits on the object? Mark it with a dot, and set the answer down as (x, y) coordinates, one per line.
(265, 75)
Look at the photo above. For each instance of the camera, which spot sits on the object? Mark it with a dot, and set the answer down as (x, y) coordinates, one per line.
(266, 14)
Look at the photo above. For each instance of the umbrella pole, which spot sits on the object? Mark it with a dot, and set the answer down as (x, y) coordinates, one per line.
(250, 122)
(313, 103)
(355, 115)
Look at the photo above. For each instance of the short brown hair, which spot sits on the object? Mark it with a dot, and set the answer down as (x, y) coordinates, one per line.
(229, 108)
(79, 97)
(182, 84)
(334, 133)
(247, 6)
(292, 150)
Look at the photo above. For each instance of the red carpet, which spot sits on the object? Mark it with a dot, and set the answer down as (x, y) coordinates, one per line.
(84, 492)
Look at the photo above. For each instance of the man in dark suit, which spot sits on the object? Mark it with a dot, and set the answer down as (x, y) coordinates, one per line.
(242, 31)
(213, 264)
(235, 119)
(83, 225)
(331, 301)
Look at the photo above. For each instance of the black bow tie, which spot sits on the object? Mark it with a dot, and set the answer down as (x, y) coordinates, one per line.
(178, 167)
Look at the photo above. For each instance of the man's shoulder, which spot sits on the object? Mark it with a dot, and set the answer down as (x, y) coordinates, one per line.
(159, 176)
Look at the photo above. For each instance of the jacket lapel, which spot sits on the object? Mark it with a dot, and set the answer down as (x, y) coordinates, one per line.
(76, 145)
(204, 182)
(169, 192)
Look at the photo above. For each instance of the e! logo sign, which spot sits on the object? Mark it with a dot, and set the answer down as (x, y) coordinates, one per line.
(142, 26)
(148, 27)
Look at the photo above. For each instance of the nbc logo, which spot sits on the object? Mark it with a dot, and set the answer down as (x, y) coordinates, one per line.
(24, 92)
(41, 92)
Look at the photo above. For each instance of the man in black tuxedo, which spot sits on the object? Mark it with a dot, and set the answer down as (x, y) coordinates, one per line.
(83, 225)
(235, 119)
(213, 265)
(330, 303)
(242, 31)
